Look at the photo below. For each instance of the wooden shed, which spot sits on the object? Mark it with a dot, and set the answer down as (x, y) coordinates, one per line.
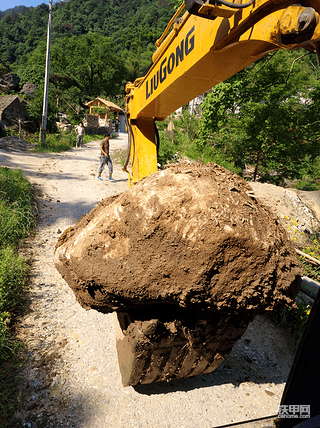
(102, 108)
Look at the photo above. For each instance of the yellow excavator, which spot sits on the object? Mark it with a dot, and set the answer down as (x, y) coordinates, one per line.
(206, 42)
(210, 42)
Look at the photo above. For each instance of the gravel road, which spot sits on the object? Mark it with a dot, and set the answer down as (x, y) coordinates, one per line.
(71, 378)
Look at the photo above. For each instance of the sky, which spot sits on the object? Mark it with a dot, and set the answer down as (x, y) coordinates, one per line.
(10, 4)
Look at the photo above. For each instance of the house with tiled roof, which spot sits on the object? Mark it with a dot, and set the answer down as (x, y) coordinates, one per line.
(13, 113)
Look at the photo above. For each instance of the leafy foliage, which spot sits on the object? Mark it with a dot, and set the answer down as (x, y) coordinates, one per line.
(97, 46)
(81, 68)
(35, 108)
(15, 206)
(133, 26)
(266, 116)
(308, 185)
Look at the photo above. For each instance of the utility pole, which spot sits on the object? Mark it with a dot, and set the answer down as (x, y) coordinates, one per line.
(46, 82)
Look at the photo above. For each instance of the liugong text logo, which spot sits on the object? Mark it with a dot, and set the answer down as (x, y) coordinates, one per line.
(168, 64)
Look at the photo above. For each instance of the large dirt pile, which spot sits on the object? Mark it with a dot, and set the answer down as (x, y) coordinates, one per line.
(192, 235)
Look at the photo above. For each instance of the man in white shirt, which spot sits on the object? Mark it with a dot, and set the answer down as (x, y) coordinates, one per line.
(80, 134)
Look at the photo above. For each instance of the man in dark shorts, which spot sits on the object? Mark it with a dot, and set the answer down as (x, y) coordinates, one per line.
(80, 133)
(105, 157)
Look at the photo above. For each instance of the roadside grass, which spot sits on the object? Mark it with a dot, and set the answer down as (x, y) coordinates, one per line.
(294, 319)
(119, 156)
(56, 143)
(308, 185)
(60, 142)
(16, 222)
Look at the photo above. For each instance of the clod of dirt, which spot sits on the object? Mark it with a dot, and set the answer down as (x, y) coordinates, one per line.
(192, 235)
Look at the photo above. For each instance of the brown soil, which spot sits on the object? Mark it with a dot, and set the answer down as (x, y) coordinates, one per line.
(192, 236)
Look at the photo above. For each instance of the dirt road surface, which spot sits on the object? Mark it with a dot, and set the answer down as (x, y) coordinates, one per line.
(72, 378)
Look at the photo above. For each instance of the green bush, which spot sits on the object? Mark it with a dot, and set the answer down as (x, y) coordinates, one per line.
(13, 275)
(313, 249)
(307, 185)
(167, 149)
(16, 216)
(292, 319)
(16, 221)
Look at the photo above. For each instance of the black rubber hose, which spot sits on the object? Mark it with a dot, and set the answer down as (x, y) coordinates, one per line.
(157, 138)
(235, 6)
(129, 142)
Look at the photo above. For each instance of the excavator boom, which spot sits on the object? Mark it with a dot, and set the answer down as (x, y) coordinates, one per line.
(212, 41)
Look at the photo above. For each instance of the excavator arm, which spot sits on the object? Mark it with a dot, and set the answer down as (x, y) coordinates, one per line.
(212, 41)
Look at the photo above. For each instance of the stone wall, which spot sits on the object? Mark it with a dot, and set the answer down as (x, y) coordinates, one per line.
(90, 121)
(9, 82)
(93, 125)
(97, 130)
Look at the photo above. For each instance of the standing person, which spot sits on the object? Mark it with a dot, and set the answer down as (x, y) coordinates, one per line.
(80, 133)
(117, 125)
(105, 157)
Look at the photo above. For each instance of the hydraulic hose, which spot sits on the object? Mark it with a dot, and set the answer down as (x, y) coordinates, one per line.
(124, 168)
(235, 6)
(129, 144)
(157, 138)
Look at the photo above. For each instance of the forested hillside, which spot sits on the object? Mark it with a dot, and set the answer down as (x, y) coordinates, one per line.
(97, 46)
(17, 9)
(131, 24)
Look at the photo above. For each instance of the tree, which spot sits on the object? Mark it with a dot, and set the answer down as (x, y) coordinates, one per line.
(78, 17)
(90, 60)
(262, 116)
(81, 68)
(35, 108)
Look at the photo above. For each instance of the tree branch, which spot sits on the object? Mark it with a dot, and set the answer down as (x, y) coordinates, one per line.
(301, 253)
(293, 62)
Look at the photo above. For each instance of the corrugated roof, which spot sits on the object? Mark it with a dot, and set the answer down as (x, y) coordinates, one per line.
(109, 104)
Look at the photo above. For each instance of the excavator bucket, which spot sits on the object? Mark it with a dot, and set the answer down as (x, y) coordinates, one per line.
(172, 346)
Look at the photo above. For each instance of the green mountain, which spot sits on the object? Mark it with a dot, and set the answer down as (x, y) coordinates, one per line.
(17, 9)
(130, 23)
(97, 46)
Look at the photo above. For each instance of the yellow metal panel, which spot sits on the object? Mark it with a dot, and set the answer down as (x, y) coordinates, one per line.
(143, 149)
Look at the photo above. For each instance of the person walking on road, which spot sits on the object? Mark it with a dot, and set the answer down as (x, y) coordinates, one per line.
(105, 157)
(80, 133)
